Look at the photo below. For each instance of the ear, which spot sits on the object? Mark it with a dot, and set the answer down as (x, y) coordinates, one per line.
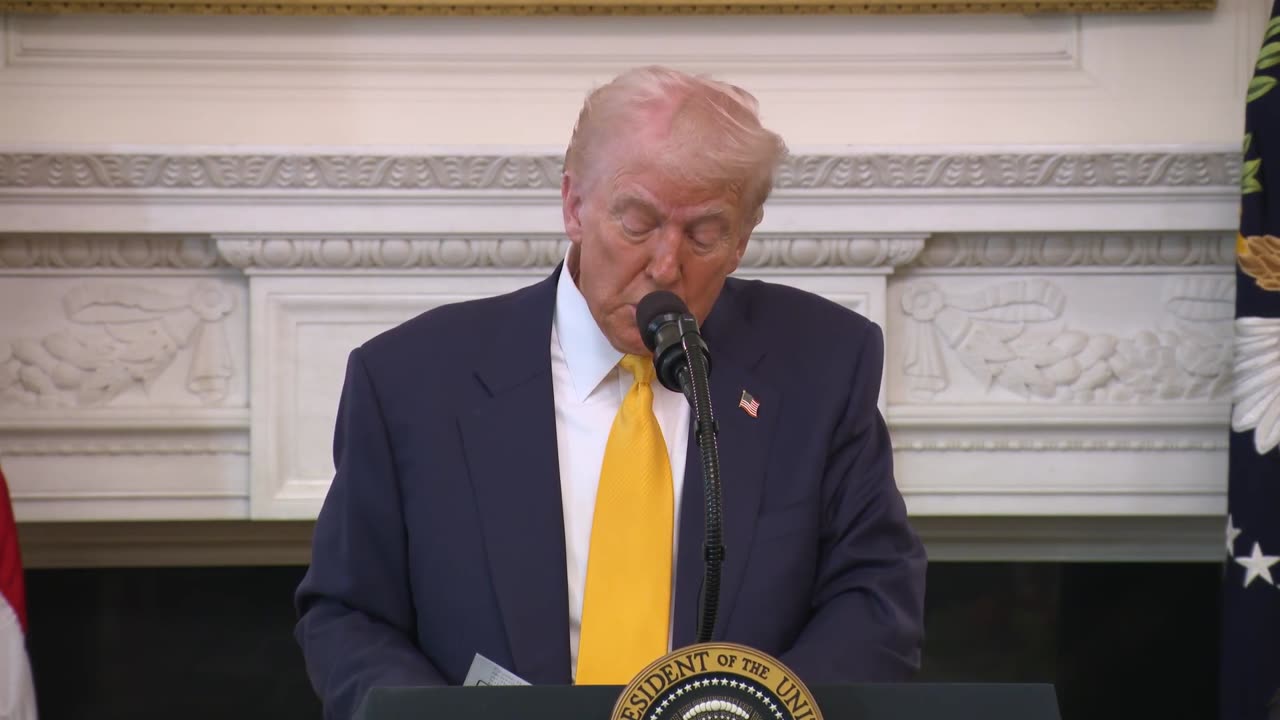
(746, 238)
(571, 208)
(737, 256)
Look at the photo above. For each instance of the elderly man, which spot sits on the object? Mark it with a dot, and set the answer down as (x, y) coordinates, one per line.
(530, 495)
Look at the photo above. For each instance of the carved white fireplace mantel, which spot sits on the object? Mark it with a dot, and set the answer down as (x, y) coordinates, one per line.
(174, 328)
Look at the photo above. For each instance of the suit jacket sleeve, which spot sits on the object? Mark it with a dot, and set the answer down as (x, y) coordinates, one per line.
(356, 615)
(868, 601)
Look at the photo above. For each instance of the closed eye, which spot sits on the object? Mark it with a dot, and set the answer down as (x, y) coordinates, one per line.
(708, 234)
(636, 221)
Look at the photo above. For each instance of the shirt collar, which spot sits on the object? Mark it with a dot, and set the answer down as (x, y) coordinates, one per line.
(587, 352)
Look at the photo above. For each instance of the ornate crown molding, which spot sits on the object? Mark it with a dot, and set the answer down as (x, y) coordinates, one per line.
(404, 252)
(1213, 249)
(773, 251)
(83, 252)
(279, 172)
(766, 251)
(872, 171)
(1010, 170)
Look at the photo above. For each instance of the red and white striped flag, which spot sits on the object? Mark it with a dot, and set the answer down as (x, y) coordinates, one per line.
(17, 693)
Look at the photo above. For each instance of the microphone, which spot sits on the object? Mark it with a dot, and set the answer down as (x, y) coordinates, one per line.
(683, 364)
(671, 333)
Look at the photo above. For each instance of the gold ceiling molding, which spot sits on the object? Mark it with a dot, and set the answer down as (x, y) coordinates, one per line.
(594, 7)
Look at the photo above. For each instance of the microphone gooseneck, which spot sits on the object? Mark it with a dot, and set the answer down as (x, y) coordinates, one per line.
(683, 364)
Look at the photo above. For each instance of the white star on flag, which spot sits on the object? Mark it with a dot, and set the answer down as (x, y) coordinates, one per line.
(1257, 566)
(1233, 532)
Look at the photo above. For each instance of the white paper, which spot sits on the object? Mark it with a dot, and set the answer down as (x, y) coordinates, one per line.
(487, 672)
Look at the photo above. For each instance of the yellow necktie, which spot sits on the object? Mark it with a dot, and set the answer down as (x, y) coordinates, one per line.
(627, 602)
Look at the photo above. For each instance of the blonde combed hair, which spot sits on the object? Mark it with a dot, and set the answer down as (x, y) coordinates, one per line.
(708, 132)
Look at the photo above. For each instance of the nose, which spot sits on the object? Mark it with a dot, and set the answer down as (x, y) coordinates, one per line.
(664, 262)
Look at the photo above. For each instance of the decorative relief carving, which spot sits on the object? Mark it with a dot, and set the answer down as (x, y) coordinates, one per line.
(1079, 250)
(1010, 170)
(765, 251)
(852, 252)
(132, 253)
(121, 336)
(280, 172)
(1012, 335)
(416, 251)
(542, 172)
(278, 253)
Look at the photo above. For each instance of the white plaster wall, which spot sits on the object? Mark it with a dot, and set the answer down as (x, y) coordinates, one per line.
(413, 82)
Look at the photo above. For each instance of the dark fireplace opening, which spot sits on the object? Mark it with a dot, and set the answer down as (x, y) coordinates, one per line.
(1118, 640)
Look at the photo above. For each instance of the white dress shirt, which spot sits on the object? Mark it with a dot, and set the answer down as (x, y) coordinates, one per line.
(588, 387)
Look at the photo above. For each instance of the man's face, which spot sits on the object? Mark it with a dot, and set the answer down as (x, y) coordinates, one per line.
(635, 231)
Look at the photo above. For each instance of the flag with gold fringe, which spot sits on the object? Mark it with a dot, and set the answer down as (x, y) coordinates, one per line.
(1250, 663)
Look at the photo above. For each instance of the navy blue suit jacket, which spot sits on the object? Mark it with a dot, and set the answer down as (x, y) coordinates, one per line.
(442, 535)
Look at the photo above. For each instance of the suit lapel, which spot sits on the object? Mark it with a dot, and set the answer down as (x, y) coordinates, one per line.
(744, 444)
(510, 444)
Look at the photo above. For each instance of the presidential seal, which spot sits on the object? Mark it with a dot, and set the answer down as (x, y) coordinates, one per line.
(716, 681)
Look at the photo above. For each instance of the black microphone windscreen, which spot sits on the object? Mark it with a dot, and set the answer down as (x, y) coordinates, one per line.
(656, 303)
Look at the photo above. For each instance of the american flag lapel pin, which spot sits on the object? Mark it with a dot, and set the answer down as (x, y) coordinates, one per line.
(749, 405)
